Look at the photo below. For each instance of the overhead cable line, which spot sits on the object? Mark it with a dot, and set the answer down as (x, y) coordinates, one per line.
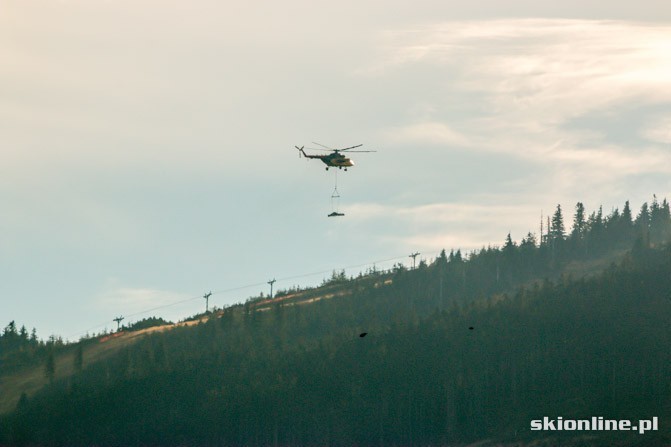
(234, 289)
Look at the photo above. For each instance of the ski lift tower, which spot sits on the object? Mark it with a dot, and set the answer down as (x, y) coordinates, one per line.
(413, 256)
(118, 322)
(271, 282)
(207, 301)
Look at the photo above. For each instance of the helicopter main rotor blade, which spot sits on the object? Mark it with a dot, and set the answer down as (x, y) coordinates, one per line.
(319, 144)
(351, 147)
(360, 151)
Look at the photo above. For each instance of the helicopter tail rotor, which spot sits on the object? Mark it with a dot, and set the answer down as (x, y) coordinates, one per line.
(300, 151)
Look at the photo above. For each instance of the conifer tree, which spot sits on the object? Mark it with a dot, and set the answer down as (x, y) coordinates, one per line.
(10, 330)
(626, 214)
(23, 334)
(557, 230)
(579, 222)
(643, 219)
(442, 258)
(660, 221)
(529, 240)
(642, 225)
(509, 245)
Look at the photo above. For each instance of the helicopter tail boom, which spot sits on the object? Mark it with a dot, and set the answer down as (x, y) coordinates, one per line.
(301, 153)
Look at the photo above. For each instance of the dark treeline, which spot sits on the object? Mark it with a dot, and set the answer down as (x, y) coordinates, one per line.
(19, 349)
(145, 323)
(462, 349)
(494, 270)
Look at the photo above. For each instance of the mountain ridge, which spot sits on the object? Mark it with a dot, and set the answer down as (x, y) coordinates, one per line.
(461, 302)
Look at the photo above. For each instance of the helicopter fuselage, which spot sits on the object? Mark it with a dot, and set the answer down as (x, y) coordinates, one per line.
(336, 160)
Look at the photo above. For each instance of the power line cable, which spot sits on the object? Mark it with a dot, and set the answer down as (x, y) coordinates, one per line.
(234, 289)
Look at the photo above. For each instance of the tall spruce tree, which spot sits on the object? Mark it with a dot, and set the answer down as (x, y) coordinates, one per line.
(579, 222)
(557, 229)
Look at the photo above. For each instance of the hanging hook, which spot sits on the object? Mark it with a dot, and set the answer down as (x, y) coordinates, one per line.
(335, 199)
(335, 188)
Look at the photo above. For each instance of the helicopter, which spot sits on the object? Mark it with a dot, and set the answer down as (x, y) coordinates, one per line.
(333, 160)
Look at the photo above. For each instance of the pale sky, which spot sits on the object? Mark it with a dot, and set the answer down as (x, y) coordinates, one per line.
(147, 147)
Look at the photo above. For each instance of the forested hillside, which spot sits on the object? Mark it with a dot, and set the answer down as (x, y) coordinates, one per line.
(462, 349)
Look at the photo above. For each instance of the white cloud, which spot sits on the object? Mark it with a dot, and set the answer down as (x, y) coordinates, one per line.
(432, 133)
(659, 130)
(529, 77)
(436, 226)
(532, 89)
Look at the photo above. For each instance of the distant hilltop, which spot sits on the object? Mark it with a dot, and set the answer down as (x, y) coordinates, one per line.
(464, 348)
